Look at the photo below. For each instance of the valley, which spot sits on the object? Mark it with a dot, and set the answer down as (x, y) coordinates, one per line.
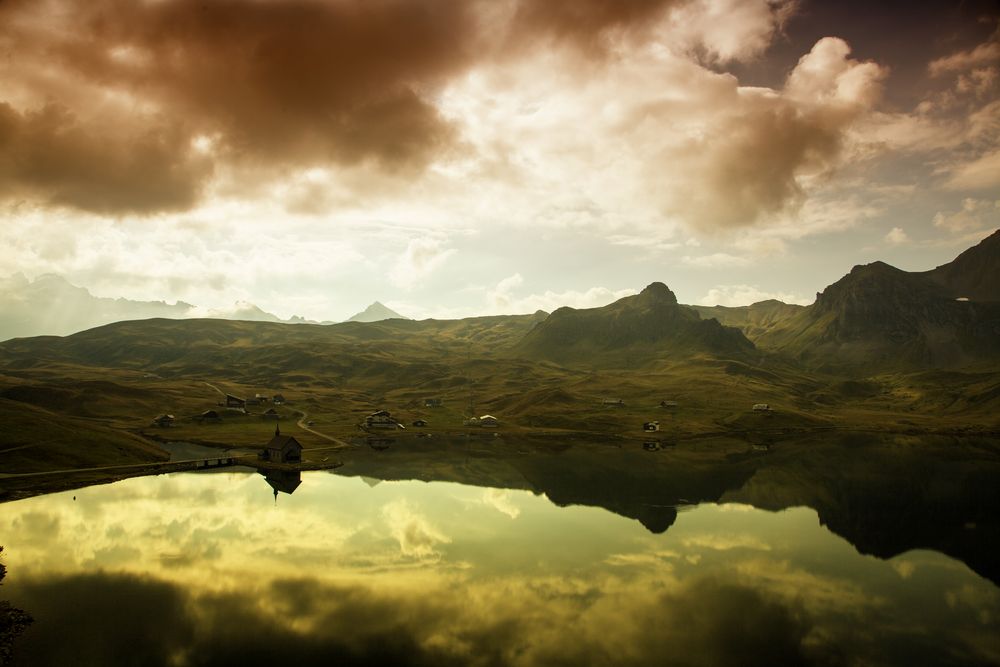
(930, 366)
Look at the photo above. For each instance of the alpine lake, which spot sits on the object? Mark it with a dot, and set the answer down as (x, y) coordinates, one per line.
(842, 550)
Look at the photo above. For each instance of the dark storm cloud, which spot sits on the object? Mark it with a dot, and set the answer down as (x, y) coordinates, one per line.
(293, 80)
(273, 83)
(293, 83)
(751, 162)
(749, 166)
(49, 154)
(582, 21)
(101, 619)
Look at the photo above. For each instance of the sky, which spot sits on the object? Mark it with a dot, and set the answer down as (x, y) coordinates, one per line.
(465, 157)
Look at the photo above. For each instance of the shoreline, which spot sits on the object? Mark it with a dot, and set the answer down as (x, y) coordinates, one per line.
(16, 486)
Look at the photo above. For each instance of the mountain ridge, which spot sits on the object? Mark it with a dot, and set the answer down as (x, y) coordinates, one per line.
(376, 312)
(632, 328)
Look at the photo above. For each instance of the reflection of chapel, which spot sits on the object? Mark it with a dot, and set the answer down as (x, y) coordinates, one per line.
(285, 481)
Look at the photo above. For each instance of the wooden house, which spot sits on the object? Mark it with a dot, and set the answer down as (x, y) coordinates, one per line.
(235, 402)
(613, 402)
(488, 421)
(271, 414)
(381, 419)
(651, 426)
(432, 402)
(278, 399)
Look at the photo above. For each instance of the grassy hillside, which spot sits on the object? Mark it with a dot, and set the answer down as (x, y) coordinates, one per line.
(631, 332)
(754, 320)
(34, 439)
(866, 356)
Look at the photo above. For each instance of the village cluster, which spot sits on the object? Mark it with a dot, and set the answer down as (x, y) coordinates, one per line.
(286, 449)
(231, 404)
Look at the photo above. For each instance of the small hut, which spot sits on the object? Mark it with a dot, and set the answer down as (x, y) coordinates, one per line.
(209, 417)
(164, 421)
(271, 414)
(488, 421)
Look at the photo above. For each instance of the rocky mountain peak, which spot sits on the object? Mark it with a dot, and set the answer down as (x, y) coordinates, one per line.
(658, 293)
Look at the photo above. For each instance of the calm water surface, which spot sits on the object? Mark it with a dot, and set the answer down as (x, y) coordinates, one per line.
(192, 569)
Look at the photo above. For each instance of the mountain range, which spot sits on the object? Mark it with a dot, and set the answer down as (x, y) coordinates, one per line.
(878, 316)
(50, 305)
(875, 320)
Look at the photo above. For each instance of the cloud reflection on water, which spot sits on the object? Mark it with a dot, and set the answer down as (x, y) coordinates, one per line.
(205, 569)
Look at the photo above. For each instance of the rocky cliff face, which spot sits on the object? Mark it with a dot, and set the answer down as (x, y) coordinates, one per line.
(880, 300)
(881, 316)
(975, 274)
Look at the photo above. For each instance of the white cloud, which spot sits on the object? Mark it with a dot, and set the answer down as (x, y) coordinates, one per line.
(503, 300)
(744, 295)
(827, 75)
(728, 29)
(978, 82)
(416, 536)
(502, 501)
(984, 54)
(897, 236)
(421, 258)
(715, 260)
(979, 174)
(975, 214)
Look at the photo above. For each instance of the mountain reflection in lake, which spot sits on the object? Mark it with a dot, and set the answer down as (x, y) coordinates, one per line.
(200, 569)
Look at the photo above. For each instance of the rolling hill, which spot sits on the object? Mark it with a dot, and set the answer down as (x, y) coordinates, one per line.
(631, 332)
(880, 345)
